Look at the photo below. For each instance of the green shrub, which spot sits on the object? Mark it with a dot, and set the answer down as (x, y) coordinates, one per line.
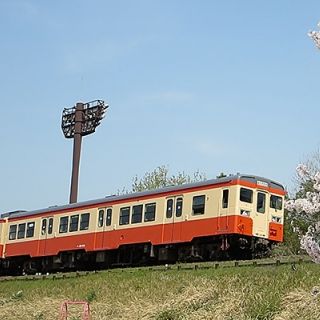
(91, 296)
(17, 296)
(39, 316)
(168, 315)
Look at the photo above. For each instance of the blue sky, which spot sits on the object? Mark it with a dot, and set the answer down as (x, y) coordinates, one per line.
(214, 86)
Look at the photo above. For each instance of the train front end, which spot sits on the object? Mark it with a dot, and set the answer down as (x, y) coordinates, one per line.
(262, 200)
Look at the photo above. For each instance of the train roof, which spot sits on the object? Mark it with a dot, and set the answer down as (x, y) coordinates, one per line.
(244, 177)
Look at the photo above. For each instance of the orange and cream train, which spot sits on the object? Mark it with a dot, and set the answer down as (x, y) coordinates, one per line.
(238, 216)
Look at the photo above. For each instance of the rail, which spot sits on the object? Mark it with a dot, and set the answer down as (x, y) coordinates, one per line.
(293, 261)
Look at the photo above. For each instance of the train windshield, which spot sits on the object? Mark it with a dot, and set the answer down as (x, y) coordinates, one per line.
(246, 195)
(275, 202)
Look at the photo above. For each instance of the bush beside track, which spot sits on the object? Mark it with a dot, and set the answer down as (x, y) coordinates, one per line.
(285, 290)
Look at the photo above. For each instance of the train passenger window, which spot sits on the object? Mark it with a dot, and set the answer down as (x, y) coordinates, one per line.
(50, 226)
(13, 232)
(100, 218)
(84, 221)
(225, 199)
(246, 195)
(44, 226)
(21, 230)
(30, 229)
(275, 202)
(74, 223)
(124, 215)
(109, 217)
(198, 204)
(137, 214)
(261, 202)
(169, 208)
(179, 203)
(150, 212)
(63, 228)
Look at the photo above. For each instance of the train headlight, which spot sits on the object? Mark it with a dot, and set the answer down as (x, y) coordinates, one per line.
(276, 219)
(245, 213)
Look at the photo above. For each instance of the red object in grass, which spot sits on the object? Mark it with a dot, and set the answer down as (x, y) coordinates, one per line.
(85, 309)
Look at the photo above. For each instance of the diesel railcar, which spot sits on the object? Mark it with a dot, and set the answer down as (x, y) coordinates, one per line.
(231, 217)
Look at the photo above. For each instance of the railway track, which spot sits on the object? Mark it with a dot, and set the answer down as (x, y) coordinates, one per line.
(294, 261)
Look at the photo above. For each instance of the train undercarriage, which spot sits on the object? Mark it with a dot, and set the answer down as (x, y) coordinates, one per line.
(224, 247)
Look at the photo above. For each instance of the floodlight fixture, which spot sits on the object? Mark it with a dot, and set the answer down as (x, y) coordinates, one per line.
(79, 121)
(91, 115)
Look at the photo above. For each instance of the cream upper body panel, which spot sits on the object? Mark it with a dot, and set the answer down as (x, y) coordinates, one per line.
(21, 230)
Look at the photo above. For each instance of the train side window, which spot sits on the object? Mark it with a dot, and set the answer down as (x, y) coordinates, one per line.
(101, 218)
(179, 204)
(84, 221)
(124, 216)
(137, 214)
(44, 226)
(108, 217)
(169, 208)
(74, 223)
(225, 198)
(198, 204)
(63, 228)
(275, 202)
(30, 229)
(13, 232)
(50, 226)
(246, 195)
(21, 230)
(150, 212)
(261, 202)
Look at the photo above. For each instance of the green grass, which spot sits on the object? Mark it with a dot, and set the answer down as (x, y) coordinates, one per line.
(257, 293)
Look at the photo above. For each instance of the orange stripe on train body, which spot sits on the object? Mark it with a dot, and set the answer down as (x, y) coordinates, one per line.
(185, 231)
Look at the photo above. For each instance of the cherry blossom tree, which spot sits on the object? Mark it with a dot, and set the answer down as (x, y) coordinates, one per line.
(307, 209)
(315, 36)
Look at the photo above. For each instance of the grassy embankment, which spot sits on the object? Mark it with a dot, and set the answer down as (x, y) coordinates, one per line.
(276, 292)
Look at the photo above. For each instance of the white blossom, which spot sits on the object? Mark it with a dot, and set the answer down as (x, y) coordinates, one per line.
(308, 209)
(302, 171)
(315, 36)
(311, 244)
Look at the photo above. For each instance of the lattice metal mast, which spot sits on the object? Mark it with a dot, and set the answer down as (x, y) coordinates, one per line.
(77, 122)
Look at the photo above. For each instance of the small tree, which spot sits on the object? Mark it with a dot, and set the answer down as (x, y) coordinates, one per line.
(160, 178)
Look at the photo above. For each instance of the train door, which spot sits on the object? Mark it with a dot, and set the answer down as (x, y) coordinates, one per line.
(173, 218)
(46, 233)
(100, 229)
(103, 225)
(260, 220)
(223, 210)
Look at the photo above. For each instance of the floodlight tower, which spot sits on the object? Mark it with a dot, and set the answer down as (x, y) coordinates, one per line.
(79, 121)
(315, 36)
